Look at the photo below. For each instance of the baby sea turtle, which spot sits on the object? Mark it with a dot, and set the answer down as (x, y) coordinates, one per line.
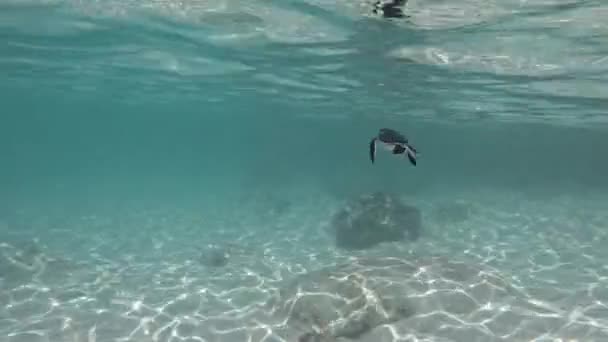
(394, 142)
(390, 9)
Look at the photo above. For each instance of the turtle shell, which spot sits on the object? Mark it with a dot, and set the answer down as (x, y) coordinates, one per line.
(389, 136)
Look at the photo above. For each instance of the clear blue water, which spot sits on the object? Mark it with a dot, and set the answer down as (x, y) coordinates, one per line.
(135, 134)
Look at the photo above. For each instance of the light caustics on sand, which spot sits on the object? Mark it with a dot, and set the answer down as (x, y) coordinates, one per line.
(469, 282)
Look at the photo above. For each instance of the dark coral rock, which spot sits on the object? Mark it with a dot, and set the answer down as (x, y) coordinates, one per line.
(371, 219)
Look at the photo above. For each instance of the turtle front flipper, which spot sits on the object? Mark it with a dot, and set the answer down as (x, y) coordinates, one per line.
(372, 150)
(411, 155)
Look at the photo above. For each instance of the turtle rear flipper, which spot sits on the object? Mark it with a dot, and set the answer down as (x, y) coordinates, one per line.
(398, 149)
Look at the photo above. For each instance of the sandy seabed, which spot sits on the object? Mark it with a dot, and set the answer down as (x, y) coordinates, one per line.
(489, 266)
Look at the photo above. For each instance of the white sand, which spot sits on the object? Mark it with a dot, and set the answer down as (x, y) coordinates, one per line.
(516, 269)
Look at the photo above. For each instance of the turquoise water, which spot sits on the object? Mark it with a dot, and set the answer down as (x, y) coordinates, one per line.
(175, 171)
